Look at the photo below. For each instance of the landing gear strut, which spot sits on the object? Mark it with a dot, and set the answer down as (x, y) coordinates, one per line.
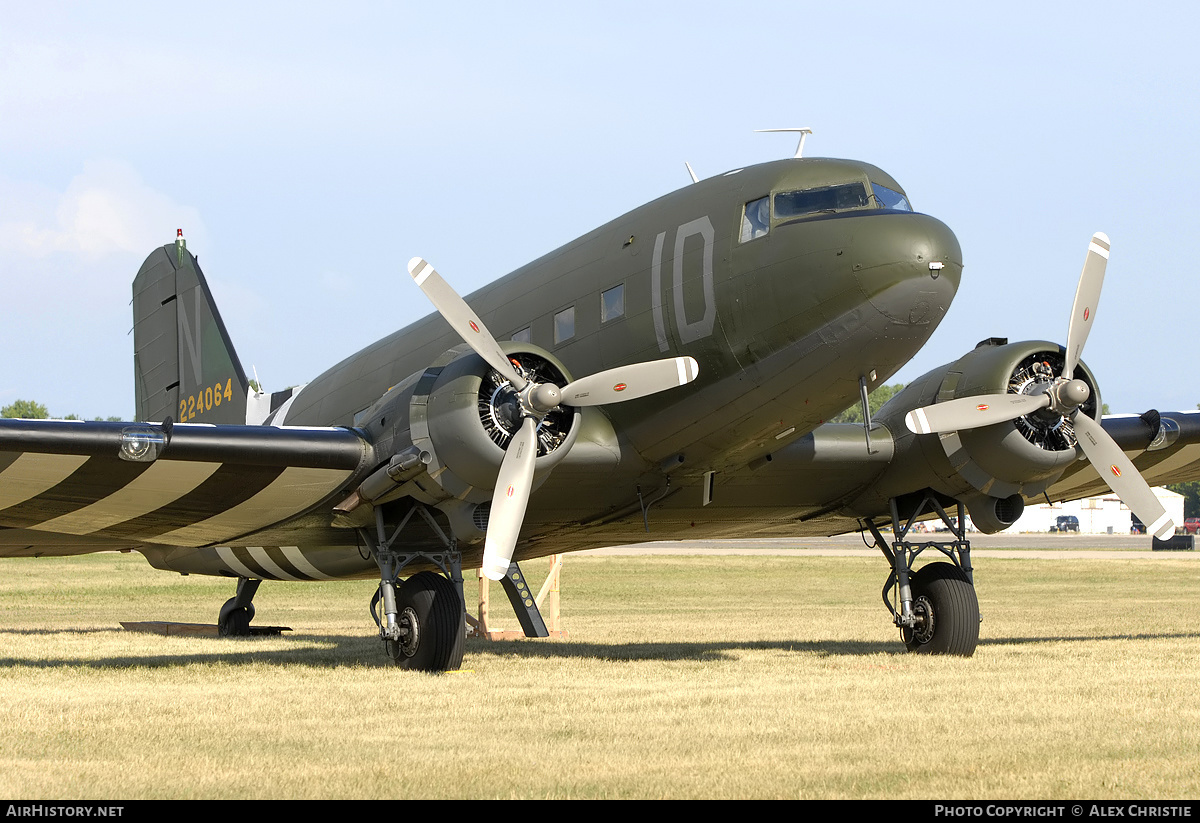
(938, 610)
(423, 624)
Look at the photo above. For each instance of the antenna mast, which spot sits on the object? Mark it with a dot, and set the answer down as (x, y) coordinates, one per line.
(803, 132)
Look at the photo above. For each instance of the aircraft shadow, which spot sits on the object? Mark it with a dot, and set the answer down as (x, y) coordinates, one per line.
(718, 650)
(357, 650)
(1001, 641)
(309, 649)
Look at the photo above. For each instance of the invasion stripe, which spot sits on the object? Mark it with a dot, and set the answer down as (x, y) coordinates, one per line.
(280, 559)
(98, 477)
(233, 560)
(270, 559)
(164, 482)
(226, 487)
(258, 562)
(296, 489)
(7, 458)
(303, 565)
(31, 474)
(251, 557)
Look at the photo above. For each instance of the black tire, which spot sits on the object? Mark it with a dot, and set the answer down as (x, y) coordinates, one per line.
(429, 604)
(234, 622)
(946, 603)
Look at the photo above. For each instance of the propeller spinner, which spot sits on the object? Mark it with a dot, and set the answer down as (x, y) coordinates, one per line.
(514, 483)
(1063, 395)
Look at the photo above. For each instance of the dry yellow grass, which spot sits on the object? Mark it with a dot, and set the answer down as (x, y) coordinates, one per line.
(684, 677)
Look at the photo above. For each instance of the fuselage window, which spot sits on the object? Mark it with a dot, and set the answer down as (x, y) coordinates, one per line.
(612, 303)
(824, 199)
(564, 325)
(889, 198)
(756, 219)
(525, 335)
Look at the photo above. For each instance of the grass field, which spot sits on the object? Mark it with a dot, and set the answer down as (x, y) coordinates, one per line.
(707, 676)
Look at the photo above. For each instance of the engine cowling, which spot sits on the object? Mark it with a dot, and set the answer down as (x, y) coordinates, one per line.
(992, 467)
(464, 414)
(1025, 455)
(440, 435)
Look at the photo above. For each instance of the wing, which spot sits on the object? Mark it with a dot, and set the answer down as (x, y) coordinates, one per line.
(65, 487)
(1164, 447)
(828, 481)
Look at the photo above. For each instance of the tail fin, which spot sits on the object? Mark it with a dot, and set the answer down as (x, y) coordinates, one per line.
(185, 367)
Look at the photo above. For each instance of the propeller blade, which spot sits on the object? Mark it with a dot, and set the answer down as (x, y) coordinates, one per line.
(1122, 476)
(973, 412)
(513, 486)
(629, 382)
(455, 311)
(1087, 295)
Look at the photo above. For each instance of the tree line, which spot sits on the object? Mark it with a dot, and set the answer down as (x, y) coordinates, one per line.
(32, 410)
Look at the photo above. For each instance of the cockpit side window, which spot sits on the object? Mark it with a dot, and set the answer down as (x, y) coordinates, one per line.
(756, 219)
(824, 199)
(889, 198)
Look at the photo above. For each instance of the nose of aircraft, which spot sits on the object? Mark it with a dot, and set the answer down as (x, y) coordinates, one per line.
(909, 265)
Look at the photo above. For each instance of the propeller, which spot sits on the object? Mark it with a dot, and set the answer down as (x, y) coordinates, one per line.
(514, 483)
(1062, 395)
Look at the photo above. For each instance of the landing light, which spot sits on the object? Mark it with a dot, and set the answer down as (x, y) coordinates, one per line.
(141, 444)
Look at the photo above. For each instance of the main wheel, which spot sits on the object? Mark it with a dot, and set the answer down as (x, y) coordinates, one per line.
(434, 624)
(947, 612)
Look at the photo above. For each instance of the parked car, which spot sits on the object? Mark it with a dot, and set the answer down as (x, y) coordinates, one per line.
(1191, 525)
(1066, 523)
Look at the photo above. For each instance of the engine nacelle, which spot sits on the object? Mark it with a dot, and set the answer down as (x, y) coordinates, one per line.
(988, 466)
(441, 436)
(464, 414)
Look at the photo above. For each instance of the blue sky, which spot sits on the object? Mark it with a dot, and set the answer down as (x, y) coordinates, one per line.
(309, 150)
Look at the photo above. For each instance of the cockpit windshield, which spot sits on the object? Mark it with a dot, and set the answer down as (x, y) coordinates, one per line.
(889, 199)
(760, 214)
(824, 199)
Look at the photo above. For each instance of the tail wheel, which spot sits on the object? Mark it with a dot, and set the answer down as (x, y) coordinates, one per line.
(947, 612)
(435, 625)
(233, 621)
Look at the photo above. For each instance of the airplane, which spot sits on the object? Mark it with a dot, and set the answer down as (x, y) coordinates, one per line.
(670, 374)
